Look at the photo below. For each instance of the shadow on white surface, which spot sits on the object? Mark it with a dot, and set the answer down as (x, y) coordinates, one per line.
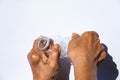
(107, 69)
(64, 70)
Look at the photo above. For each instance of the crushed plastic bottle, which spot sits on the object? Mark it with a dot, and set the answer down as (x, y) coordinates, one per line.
(44, 43)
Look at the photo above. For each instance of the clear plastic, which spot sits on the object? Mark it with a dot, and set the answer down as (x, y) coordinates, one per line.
(45, 41)
(63, 41)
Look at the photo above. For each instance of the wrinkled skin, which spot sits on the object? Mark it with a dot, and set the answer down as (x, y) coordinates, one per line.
(44, 67)
(85, 52)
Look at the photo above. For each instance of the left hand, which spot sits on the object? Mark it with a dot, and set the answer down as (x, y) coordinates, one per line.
(44, 67)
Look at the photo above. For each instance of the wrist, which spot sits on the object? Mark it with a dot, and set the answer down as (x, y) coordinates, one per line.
(79, 60)
(87, 67)
(42, 78)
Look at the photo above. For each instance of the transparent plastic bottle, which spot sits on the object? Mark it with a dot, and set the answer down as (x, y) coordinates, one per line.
(44, 43)
(63, 41)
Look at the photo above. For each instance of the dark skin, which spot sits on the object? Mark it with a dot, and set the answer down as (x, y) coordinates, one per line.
(44, 67)
(84, 51)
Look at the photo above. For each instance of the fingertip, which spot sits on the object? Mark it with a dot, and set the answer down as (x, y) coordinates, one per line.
(102, 56)
(57, 46)
(55, 53)
(33, 58)
(75, 35)
(35, 44)
(95, 33)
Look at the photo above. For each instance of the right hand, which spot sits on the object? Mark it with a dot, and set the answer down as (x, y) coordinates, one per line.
(85, 52)
(86, 47)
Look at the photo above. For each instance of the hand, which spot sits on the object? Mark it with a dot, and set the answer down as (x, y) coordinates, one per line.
(86, 46)
(85, 52)
(44, 67)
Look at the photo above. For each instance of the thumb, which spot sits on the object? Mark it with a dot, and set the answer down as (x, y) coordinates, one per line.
(102, 56)
(54, 54)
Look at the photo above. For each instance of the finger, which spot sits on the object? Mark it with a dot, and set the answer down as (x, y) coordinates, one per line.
(75, 35)
(35, 45)
(95, 34)
(33, 58)
(90, 33)
(102, 56)
(44, 58)
(54, 54)
(35, 48)
(98, 50)
(51, 44)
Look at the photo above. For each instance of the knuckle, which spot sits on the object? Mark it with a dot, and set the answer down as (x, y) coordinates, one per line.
(33, 58)
(95, 34)
(86, 34)
(29, 56)
(91, 33)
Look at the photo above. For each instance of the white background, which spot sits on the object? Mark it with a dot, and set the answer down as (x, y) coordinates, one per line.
(22, 21)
